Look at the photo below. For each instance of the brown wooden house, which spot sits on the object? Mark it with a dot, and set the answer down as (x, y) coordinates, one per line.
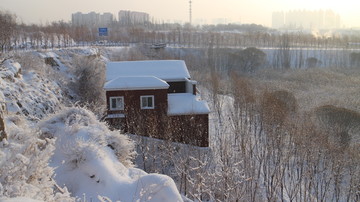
(156, 98)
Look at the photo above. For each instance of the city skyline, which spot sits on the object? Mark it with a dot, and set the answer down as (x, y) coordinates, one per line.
(203, 11)
(105, 19)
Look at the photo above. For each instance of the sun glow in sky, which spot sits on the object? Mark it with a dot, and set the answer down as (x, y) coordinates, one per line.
(204, 11)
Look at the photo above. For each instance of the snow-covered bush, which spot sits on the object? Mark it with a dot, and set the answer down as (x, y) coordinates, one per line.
(86, 160)
(24, 170)
(88, 84)
(76, 127)
(118, 144)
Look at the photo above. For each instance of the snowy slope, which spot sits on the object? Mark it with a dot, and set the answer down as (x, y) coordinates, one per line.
(24, 156)
(28, 94)
(56, 153)
(86, 162)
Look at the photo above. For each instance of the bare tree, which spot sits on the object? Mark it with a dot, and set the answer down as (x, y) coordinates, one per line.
(343, 125)
(284, 51)
(8, 26)
(249, 60)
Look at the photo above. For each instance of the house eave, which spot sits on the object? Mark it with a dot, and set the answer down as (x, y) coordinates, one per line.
(179, 79)
(138, 88)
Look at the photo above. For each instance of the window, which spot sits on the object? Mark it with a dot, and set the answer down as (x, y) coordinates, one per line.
(117, 103)
(147, 102)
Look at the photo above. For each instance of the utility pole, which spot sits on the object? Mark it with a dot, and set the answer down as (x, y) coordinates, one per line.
(190, 12)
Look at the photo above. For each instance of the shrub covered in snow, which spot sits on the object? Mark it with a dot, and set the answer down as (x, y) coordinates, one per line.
(77, 129)
(24, 170)
(92, 161)
(89, 80)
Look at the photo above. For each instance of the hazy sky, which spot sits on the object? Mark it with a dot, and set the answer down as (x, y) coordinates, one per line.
(244, 11)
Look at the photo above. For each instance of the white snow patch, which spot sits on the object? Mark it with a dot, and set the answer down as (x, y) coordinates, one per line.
(186, 103)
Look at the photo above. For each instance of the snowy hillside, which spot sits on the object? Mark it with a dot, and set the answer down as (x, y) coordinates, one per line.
(52, 152)
(27, 94)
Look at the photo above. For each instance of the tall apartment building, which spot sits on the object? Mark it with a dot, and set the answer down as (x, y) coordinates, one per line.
(106, 19)
(133, 18)
(91, 19)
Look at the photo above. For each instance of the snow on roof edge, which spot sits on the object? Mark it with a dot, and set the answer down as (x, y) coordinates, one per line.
(139, 88)
(163, 69)
(186, 104)
(136, 83)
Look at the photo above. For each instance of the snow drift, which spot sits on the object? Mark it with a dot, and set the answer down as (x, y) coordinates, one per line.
(94, 162)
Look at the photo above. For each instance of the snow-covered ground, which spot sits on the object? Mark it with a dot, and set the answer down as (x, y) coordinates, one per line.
(57, 153)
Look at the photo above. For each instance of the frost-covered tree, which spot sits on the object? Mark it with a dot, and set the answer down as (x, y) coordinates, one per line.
(89, 81)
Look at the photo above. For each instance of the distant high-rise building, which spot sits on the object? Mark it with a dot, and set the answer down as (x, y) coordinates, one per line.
(133, 18)
(91, 19)
(304, 19)
(76, 18)
(106, 19)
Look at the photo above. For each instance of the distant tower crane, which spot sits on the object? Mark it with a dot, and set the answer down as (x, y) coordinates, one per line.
(190, 12)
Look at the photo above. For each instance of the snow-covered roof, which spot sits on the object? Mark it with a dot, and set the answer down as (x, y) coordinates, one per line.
(135, 83)
(163, 69)
(186, 103)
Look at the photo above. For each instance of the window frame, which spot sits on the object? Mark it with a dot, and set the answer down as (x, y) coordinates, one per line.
(117, 108)
(147, 96)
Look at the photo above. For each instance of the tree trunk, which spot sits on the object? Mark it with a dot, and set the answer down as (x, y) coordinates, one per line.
(3, 134)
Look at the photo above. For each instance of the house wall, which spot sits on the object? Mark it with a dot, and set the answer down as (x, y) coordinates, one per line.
(132, 99)
(187, 129)
(139, 121)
